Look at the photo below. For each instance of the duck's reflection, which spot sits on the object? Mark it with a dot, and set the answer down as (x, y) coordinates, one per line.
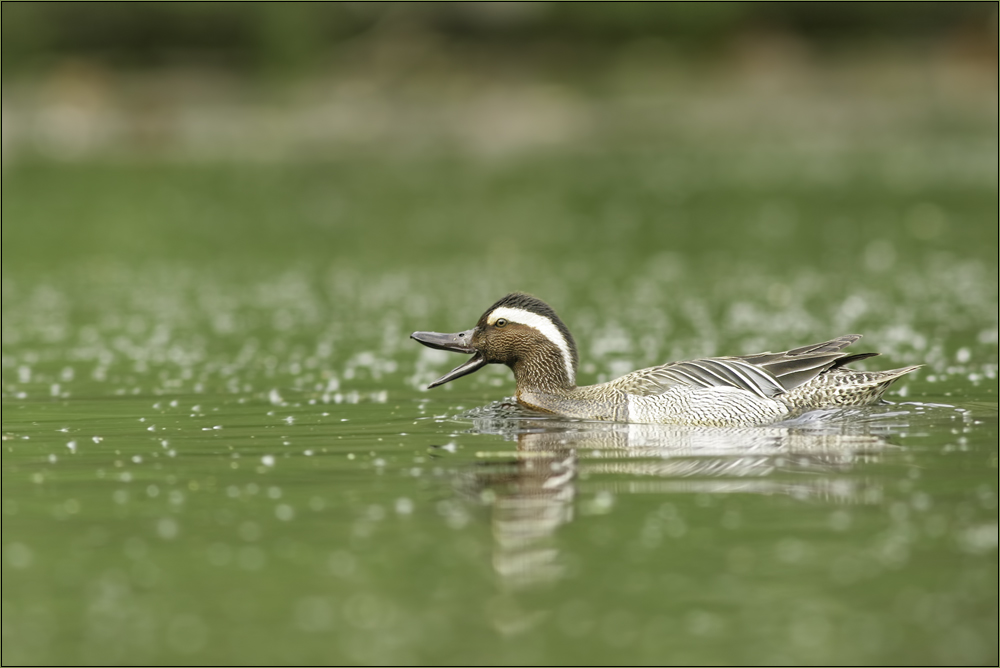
(533, 495)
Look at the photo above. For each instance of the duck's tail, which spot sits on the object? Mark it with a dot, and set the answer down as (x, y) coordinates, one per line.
(841, 386)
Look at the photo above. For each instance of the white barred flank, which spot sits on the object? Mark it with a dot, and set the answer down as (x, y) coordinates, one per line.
(717, 406)
(544, 326)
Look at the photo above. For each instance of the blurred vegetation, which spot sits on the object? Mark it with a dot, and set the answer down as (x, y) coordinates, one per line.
(602, 132)
(290, 36)
(608, 210)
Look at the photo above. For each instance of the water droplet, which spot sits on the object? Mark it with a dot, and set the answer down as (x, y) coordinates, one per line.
(249, 531)
(251, 558)
(167, 528)
(19, 555)
(404, 506)
(313, 614)
(342, 564)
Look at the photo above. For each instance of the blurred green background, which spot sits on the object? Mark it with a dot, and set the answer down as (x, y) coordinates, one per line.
(230, 214)
(412, 133)
(303, 36)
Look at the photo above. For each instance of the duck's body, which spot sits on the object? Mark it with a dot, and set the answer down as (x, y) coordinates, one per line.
(524, 333)
(690, 393)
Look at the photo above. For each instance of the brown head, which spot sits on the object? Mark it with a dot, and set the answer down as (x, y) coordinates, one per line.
(520, 331)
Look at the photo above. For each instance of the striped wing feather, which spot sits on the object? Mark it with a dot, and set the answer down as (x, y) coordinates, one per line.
(765, 374)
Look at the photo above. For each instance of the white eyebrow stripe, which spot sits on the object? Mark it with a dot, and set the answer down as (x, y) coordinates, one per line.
(544, 326)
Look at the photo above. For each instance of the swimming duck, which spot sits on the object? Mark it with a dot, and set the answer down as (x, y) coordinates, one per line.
(524, 333)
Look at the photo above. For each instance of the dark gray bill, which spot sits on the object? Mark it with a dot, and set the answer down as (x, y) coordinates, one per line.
(460, 342)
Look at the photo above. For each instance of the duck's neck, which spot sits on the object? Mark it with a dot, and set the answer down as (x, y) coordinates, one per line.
(574, 402)
(543, 373)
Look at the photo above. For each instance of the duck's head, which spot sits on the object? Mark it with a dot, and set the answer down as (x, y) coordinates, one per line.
(520, 331)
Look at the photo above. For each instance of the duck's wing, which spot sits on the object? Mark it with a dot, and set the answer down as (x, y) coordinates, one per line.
(765, 374)
(705, 373)
(800, 365)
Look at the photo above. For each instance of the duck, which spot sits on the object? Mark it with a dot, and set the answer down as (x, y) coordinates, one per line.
(524, 333)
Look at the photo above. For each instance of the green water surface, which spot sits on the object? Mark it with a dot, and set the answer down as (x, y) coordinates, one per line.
(218, 448)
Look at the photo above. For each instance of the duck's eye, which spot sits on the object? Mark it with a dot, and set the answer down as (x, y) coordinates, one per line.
(501, 322)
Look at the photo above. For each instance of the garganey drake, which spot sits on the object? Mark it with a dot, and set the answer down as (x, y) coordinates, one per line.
(524, 333)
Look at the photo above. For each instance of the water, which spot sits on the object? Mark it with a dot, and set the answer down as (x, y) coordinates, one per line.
(181, 487)
(217, 447)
